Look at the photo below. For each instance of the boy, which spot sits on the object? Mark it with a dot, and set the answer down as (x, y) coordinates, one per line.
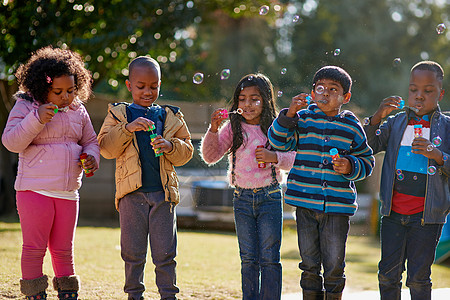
(146, 183)
(414, 182)
(323, 189)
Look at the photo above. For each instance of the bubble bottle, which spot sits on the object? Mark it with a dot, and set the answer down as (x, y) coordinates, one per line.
(87, 172)
(152, 137)
(261, 164)
(418, 130)
(334, 154)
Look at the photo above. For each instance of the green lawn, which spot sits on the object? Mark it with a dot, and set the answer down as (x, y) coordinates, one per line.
(208, 264)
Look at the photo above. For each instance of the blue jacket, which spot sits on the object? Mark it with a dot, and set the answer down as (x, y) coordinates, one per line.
(437, 201)
(312, 183)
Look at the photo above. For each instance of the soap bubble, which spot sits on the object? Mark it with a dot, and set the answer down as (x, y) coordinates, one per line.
(441, 28)
(296, 18)
(398, 171)
(197, 78)
(283, 71)
(337, 52)
(437, 141)
(263, 10)
(320, 89)
(250, 78)
(430, 148)
(225, 74)
(415, 177)
(378, 132)
(396, 62)
(431, 170)
(400, 177)
(280, 93)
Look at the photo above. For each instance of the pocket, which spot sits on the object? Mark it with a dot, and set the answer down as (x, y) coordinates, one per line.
(274, 195)
(36, 157)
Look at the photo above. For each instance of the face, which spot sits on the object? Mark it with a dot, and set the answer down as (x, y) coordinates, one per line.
(329, 96)
(251, 102)
(425, 91)
(144, 84)
(62, 91)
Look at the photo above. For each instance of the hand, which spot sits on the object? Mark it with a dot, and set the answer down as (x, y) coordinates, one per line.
(386, 107)
(139, 124)
(161, 144)
(297, 103)
(46, 112)
(89, 164)
(421, 145)
(342, 165)
(216, 120)
(265, 155)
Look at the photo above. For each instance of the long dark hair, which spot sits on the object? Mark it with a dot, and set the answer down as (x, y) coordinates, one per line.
(269, 111)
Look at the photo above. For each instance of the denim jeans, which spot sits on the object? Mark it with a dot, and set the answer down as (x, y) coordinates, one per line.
(144, 218)
(404, 238)
(321, 241)
(258, 215)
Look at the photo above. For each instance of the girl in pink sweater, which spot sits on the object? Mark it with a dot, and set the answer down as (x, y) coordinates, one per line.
(254, 172)
(50, 128)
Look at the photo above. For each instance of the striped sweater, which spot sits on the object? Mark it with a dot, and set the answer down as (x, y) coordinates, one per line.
(312, 183)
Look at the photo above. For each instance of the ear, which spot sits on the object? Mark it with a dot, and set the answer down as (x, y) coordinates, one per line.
(441, 95)
(347, 97)
(128, 84)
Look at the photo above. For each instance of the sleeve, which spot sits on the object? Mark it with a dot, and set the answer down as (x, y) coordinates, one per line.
(22, 127)
(378, 134)
(282, 133)
(89, 138)
(182, 148)
(113, 137)
(361, 156)
(215, 145)
(285, 160)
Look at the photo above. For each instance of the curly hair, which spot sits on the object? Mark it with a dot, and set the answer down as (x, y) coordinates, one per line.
(35, 77)
(269, 111)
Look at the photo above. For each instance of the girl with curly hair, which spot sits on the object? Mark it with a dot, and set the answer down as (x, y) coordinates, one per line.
(255, 173)
(50, 128)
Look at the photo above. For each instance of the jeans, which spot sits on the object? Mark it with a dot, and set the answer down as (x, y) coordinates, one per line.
(258, 215)
(404, 238)
(148, 217)
(321, 241)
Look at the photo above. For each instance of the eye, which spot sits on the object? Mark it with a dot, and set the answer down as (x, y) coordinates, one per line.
(140, 87)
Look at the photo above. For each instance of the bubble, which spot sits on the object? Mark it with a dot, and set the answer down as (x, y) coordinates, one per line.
(400, 177)
(280, 93)
(430, 148)
(325, 161)
(283, 71)
(396, 62)
(337, 52)
(366, 121)
(327, 139)
(431, 170)
(197, 78)
(296, 18)
(437, 141)
(441, 28)
(263, 10)
(415, 177)
(320, 89)
(225, 74)
(320, 166)
(378, 132)
(398, 171)
(250, 78)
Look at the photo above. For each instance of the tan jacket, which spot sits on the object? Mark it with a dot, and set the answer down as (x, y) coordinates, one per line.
(117, 142)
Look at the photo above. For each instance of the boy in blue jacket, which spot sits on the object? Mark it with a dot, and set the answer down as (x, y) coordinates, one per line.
(319, 185)
(414, 189)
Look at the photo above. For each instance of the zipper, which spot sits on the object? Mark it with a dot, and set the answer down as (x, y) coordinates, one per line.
(396, 157)
(422, 221)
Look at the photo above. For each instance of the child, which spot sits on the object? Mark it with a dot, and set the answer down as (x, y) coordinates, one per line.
(257, 199)
(414, 182)
(323, 188)
(49, 128)
(146, 181)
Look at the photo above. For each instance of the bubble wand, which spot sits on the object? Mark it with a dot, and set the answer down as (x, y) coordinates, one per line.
(402, 105)
(152, 137)
(225, 113)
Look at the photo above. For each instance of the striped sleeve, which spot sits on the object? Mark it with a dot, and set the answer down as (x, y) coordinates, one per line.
(282, 134)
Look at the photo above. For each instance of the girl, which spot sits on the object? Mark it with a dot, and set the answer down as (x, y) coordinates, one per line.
(255, 173)
(49, 128)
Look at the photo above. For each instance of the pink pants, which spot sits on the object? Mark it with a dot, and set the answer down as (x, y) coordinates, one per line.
(51, 222)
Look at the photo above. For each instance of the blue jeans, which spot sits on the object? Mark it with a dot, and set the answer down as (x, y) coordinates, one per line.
(321, 241)
(144, 218)
(404, 238)
(258, 215)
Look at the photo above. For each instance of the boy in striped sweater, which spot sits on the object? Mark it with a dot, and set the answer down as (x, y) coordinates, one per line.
(320, 185)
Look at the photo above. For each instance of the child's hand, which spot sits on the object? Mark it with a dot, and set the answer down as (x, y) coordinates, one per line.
(140, 124)
(46, 112)
(265, 155)
(386, 107)
(297, 103)
(161, 144)
(89, 163)
(216, 120)
(342, 165)
(423, 146)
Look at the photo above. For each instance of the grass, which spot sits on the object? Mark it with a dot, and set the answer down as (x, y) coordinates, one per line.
(208, 264)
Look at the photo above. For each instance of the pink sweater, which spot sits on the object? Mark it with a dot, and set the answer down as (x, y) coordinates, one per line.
(247, 174)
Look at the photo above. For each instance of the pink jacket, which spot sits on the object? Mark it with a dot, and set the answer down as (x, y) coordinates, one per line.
(49, 153)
